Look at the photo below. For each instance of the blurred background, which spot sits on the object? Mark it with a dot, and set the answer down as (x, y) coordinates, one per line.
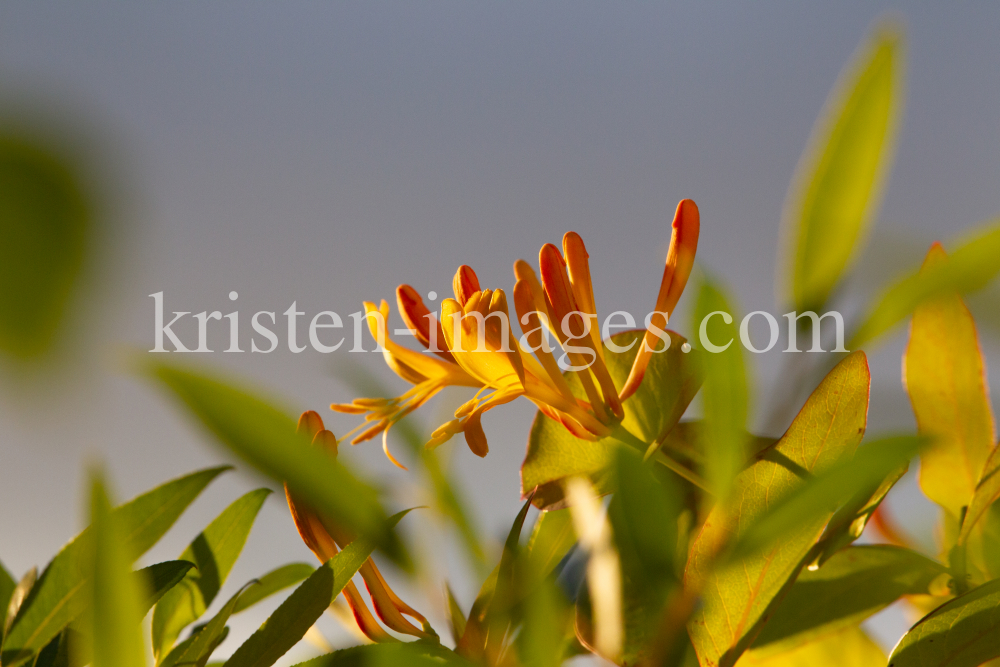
(325, 153)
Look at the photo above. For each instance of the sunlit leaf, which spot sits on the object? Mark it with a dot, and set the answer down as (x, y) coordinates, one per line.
(851, 586)
(554, 454)
(547, 623)
(59, 595)
(738, 595)
(45, 228)
(944, 374)
(117, 635)
(724, 394)
(214, 552)
(838, 183)
(820, 495)
(293, 617)
(273, 582)
(849, 647)
(456, 617)
(265, 437)
(959, 633)
(157, 579)
(969, 268)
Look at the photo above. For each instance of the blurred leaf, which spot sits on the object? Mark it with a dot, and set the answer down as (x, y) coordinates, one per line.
(157, 579)
(213, 551)
(65, 650)
(838, 183)
(18, 596)
(643, 514)
(293, 618)
(117, 634)
(967, 269)
(849, 647)
(724, 394)
(960, 633)
(59, 595)
(413, 654)
(265, 438)
(45, 225)
(820, 495)
(547, 624)
(456, 617)
(854, 584)
(850, 520)
(274, 581)
(551, 539)
(944, 374)
(554, 454)
(489, 617)
(738, 595)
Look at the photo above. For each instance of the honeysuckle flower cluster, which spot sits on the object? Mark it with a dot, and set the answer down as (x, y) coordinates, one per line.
(473, 345)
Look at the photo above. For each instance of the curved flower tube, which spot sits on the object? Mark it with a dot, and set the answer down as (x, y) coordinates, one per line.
(475, 347)
(325, 537)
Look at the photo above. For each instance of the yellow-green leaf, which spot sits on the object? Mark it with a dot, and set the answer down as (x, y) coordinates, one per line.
(837, 186)
(738, 595)
(944, 375)
(274, 581)
(987, 492)
(849, 647)
(960, 633)
(554, 454)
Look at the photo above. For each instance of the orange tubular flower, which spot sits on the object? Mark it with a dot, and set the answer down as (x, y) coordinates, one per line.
(475, 346)
(325, 538)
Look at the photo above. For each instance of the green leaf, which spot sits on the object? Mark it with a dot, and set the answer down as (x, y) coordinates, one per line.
(854, 584)
(986, 493)
(413, 654)
(738, 595)
(554, 454)
(489, 616)
(547, 624)
(293, 618)
(551, 539)
(274, 581)
(838, 183)
(819, 496)
(207, 639)
(7, 586)
(45, 229)
(58, 597)
(850, 520)
(117, 635)
(724, 394)
(214, 552)
(968, 269)
(265, 438)
(157, 579)
(960, 633)
(643, 515)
